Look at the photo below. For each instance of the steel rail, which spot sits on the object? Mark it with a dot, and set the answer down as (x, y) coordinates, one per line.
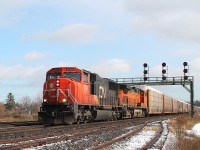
(153, 140)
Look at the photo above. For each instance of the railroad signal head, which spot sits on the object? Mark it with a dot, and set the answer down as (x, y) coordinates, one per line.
(145, 65)
(164, 64)
(185, 77)
(164, 78)
(185, 70)
(185, 64)
(145, 71)
(164, 68)
(164, 71)
(145, 78)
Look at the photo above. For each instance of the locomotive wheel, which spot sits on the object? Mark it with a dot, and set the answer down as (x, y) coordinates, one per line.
(85, 120)
(114, 117)
(78, 121)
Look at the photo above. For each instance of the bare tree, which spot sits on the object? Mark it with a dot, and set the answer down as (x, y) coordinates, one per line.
(32, 106)
(36, 104)
(26, 103)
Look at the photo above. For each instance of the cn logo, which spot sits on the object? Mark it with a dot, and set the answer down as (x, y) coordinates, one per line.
(102, 92)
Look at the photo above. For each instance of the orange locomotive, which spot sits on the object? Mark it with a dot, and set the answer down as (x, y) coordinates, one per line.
(73, 95)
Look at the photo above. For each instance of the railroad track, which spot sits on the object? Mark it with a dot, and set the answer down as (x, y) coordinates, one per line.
(151, 142)
(70, 135)
(129, 134)
(12, 126)
(97, 134)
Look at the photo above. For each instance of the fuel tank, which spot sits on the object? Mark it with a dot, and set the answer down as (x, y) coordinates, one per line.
(102, 114)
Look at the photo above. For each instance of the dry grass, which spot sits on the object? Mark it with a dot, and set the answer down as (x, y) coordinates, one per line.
(188, 143)
(18, 117)
(154, 128)
(179, 126)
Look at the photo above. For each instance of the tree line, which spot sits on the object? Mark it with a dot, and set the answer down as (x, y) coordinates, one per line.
(31, 106)
(196, 103)
(25, 105)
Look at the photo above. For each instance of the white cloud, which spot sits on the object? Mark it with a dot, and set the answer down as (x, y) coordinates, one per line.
(8, 7)
(71, 34)
(103, 68)
(173, 18)
(34, 55)
(19, 72)
(8, 15)
(110, 66)
(90, 9)
(76, 33)
(183, 53)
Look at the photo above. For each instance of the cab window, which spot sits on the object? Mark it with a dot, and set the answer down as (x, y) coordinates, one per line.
(85, 77)
(72, 75)
(53, 75)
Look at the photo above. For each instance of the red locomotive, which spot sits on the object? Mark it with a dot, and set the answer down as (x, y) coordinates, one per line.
(73, 95)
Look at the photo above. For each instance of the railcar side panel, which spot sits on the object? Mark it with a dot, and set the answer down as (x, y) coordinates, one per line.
(185, 107)
(180, 106)
(168, 104)
(175, 106)
(155, 102)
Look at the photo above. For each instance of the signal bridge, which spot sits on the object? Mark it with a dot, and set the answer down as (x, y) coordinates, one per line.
(155, 81)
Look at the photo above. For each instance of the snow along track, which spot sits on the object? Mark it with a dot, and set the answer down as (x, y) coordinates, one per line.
(129, 134)
(151, 136)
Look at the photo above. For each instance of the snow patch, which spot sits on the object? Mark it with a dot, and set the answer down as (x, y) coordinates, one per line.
(196, 129)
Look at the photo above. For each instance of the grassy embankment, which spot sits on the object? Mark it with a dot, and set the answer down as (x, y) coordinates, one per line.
(179, 126)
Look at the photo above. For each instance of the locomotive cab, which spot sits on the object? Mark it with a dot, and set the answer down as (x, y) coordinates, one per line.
(60, 84)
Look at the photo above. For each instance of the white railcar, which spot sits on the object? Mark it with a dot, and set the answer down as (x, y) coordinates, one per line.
(155, 102)
(168, 104)
(175, 106)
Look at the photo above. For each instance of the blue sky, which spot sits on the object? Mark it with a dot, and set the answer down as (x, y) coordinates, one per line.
(112, 38)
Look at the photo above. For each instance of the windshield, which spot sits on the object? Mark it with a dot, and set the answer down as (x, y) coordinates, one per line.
(74, 75)
(53, 75)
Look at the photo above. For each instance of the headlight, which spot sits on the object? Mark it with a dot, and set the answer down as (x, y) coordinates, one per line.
(64, 100)
(57, 83)
(45, 100)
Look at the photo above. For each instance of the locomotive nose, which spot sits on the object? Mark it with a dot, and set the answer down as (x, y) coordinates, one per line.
(59, 91)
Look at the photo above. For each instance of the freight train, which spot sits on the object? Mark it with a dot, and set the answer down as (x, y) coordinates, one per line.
(72, 95)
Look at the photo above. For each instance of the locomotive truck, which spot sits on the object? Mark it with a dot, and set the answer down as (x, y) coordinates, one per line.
(73, 95)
